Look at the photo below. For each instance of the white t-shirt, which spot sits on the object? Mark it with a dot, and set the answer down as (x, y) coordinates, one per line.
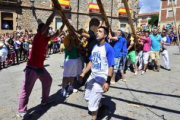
(102, 57)
(164, 39)
(17, 44)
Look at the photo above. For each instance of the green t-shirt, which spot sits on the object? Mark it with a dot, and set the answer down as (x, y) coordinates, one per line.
(71, 54)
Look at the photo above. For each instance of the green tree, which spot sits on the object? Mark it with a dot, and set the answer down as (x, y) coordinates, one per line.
(154, 20)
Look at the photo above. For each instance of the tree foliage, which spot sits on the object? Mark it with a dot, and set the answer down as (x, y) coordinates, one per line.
(154, 20)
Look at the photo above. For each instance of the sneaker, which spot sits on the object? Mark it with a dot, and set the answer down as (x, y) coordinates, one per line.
(142, 73)
(70, 89)
(124, 79)
(60, 84)
(63, 92)
(21, 115)
(67, 95)
(135, 73)
(113, 82)
(75, 90)
(128, 68)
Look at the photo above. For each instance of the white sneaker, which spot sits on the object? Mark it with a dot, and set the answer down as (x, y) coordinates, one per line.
(63, 92)
(142, 73)
(67, 95)
(75, 90)
(21, 115)
(135, 73)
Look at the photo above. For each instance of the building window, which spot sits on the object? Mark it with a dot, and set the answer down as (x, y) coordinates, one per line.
(169, 13)
(123, 27)
(143, 18)
(7, 21)
(58, 23)
(174, 2)
(93, 1)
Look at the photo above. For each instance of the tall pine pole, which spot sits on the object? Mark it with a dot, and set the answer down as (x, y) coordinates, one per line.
(177, 34)
(130, 19)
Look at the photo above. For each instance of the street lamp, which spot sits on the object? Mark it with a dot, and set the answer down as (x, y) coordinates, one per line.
(32, 3)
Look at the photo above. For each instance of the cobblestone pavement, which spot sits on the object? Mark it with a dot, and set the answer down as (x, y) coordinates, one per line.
(153, 96)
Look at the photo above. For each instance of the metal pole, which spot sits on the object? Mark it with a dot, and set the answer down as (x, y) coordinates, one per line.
(175, 24)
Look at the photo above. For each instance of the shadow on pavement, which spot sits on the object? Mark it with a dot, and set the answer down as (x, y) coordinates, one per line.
(36, 112)
(146, 92)
(146, 105)
(176, 53)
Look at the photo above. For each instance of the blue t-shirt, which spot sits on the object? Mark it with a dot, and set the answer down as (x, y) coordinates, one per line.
(26, 45)
(120, 47)
(168, 39)
(155, 42)
(102, 57)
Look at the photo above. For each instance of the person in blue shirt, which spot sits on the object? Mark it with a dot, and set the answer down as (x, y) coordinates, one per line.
(155, 48)
(26, 49)
(101, 65)
(120, 52)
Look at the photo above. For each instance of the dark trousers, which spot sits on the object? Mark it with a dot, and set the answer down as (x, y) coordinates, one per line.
(17, 55)
(21, 51)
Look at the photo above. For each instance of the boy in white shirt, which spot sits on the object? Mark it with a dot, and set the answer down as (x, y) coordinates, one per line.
(101, 64)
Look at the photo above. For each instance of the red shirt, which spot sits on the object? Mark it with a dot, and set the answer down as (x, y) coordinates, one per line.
(55, 39)
(38, 52)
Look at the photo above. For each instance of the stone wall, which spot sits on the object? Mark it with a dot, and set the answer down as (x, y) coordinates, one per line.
(29, 19)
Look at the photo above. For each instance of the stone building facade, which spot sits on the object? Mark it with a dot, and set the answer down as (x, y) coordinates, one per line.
(23, 13)
(166, 14)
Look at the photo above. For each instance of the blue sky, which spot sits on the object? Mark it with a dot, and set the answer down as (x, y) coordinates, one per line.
(149, 6)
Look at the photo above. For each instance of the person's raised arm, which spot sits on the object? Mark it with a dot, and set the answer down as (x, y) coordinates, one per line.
(58, 32)
(141, 37)
(48, 22)
(112, 38)
(83, 34)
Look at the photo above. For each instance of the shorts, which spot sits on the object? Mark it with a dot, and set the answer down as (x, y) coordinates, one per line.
(155, 55)
(50, 45)
(119, 63)
(93, 94)
(70, 68)
(3, 56)
(146, 57)
(132, 56)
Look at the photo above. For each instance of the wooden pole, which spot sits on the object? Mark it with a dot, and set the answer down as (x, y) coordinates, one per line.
(104, 16)
(130, 19)
(172, 5)
(78, 15)
(64, 18)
